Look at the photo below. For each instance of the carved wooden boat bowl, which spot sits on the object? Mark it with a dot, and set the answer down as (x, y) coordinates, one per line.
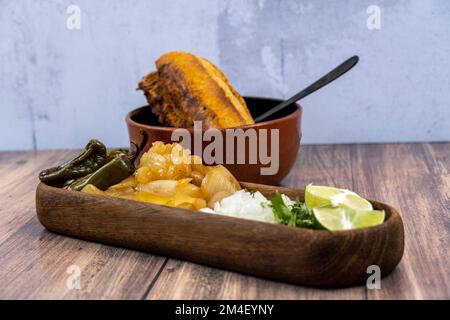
(294, 255)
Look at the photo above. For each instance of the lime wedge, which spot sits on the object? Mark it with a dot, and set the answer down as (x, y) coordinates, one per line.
(344, 219)
(320, 196)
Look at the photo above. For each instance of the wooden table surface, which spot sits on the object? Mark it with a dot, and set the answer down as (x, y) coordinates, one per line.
(414, 178)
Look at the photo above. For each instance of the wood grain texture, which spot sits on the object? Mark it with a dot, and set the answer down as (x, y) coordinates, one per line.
(327, 165)
(292, 255)
(34, 262)
(405, 176)
(414, 178)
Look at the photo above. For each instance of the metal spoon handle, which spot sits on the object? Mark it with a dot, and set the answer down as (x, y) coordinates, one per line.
(326, 79)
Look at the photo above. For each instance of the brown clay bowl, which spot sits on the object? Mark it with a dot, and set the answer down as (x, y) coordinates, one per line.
(144, 129)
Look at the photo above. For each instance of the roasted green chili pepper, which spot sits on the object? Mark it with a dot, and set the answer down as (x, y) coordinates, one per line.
(119, 168)
(116, 152)
(93, 157)
(68, 183)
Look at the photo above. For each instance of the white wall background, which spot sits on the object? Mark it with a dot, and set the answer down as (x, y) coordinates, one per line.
(61, 87)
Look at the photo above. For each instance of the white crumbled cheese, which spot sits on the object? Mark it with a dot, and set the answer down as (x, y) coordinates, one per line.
(247, 205)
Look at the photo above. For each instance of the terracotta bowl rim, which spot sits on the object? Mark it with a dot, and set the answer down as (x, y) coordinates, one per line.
(294, 115)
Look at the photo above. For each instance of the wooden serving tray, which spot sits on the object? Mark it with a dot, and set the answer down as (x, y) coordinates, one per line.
(295, 255)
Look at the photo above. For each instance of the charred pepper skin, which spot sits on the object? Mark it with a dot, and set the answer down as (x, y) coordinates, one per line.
(92, 158)
(116, 170)
(116, 152)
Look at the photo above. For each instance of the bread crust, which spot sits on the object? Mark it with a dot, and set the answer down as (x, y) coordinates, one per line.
(186, 88)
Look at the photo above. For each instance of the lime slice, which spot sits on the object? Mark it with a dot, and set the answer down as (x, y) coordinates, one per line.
(320, 196)
(344, 219)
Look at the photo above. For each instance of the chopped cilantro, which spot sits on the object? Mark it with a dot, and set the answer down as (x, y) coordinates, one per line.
(296, 216)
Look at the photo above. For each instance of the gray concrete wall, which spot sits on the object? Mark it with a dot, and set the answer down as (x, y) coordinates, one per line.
(60, 87)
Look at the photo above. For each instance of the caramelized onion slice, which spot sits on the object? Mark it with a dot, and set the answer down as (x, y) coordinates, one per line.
(219, 179)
